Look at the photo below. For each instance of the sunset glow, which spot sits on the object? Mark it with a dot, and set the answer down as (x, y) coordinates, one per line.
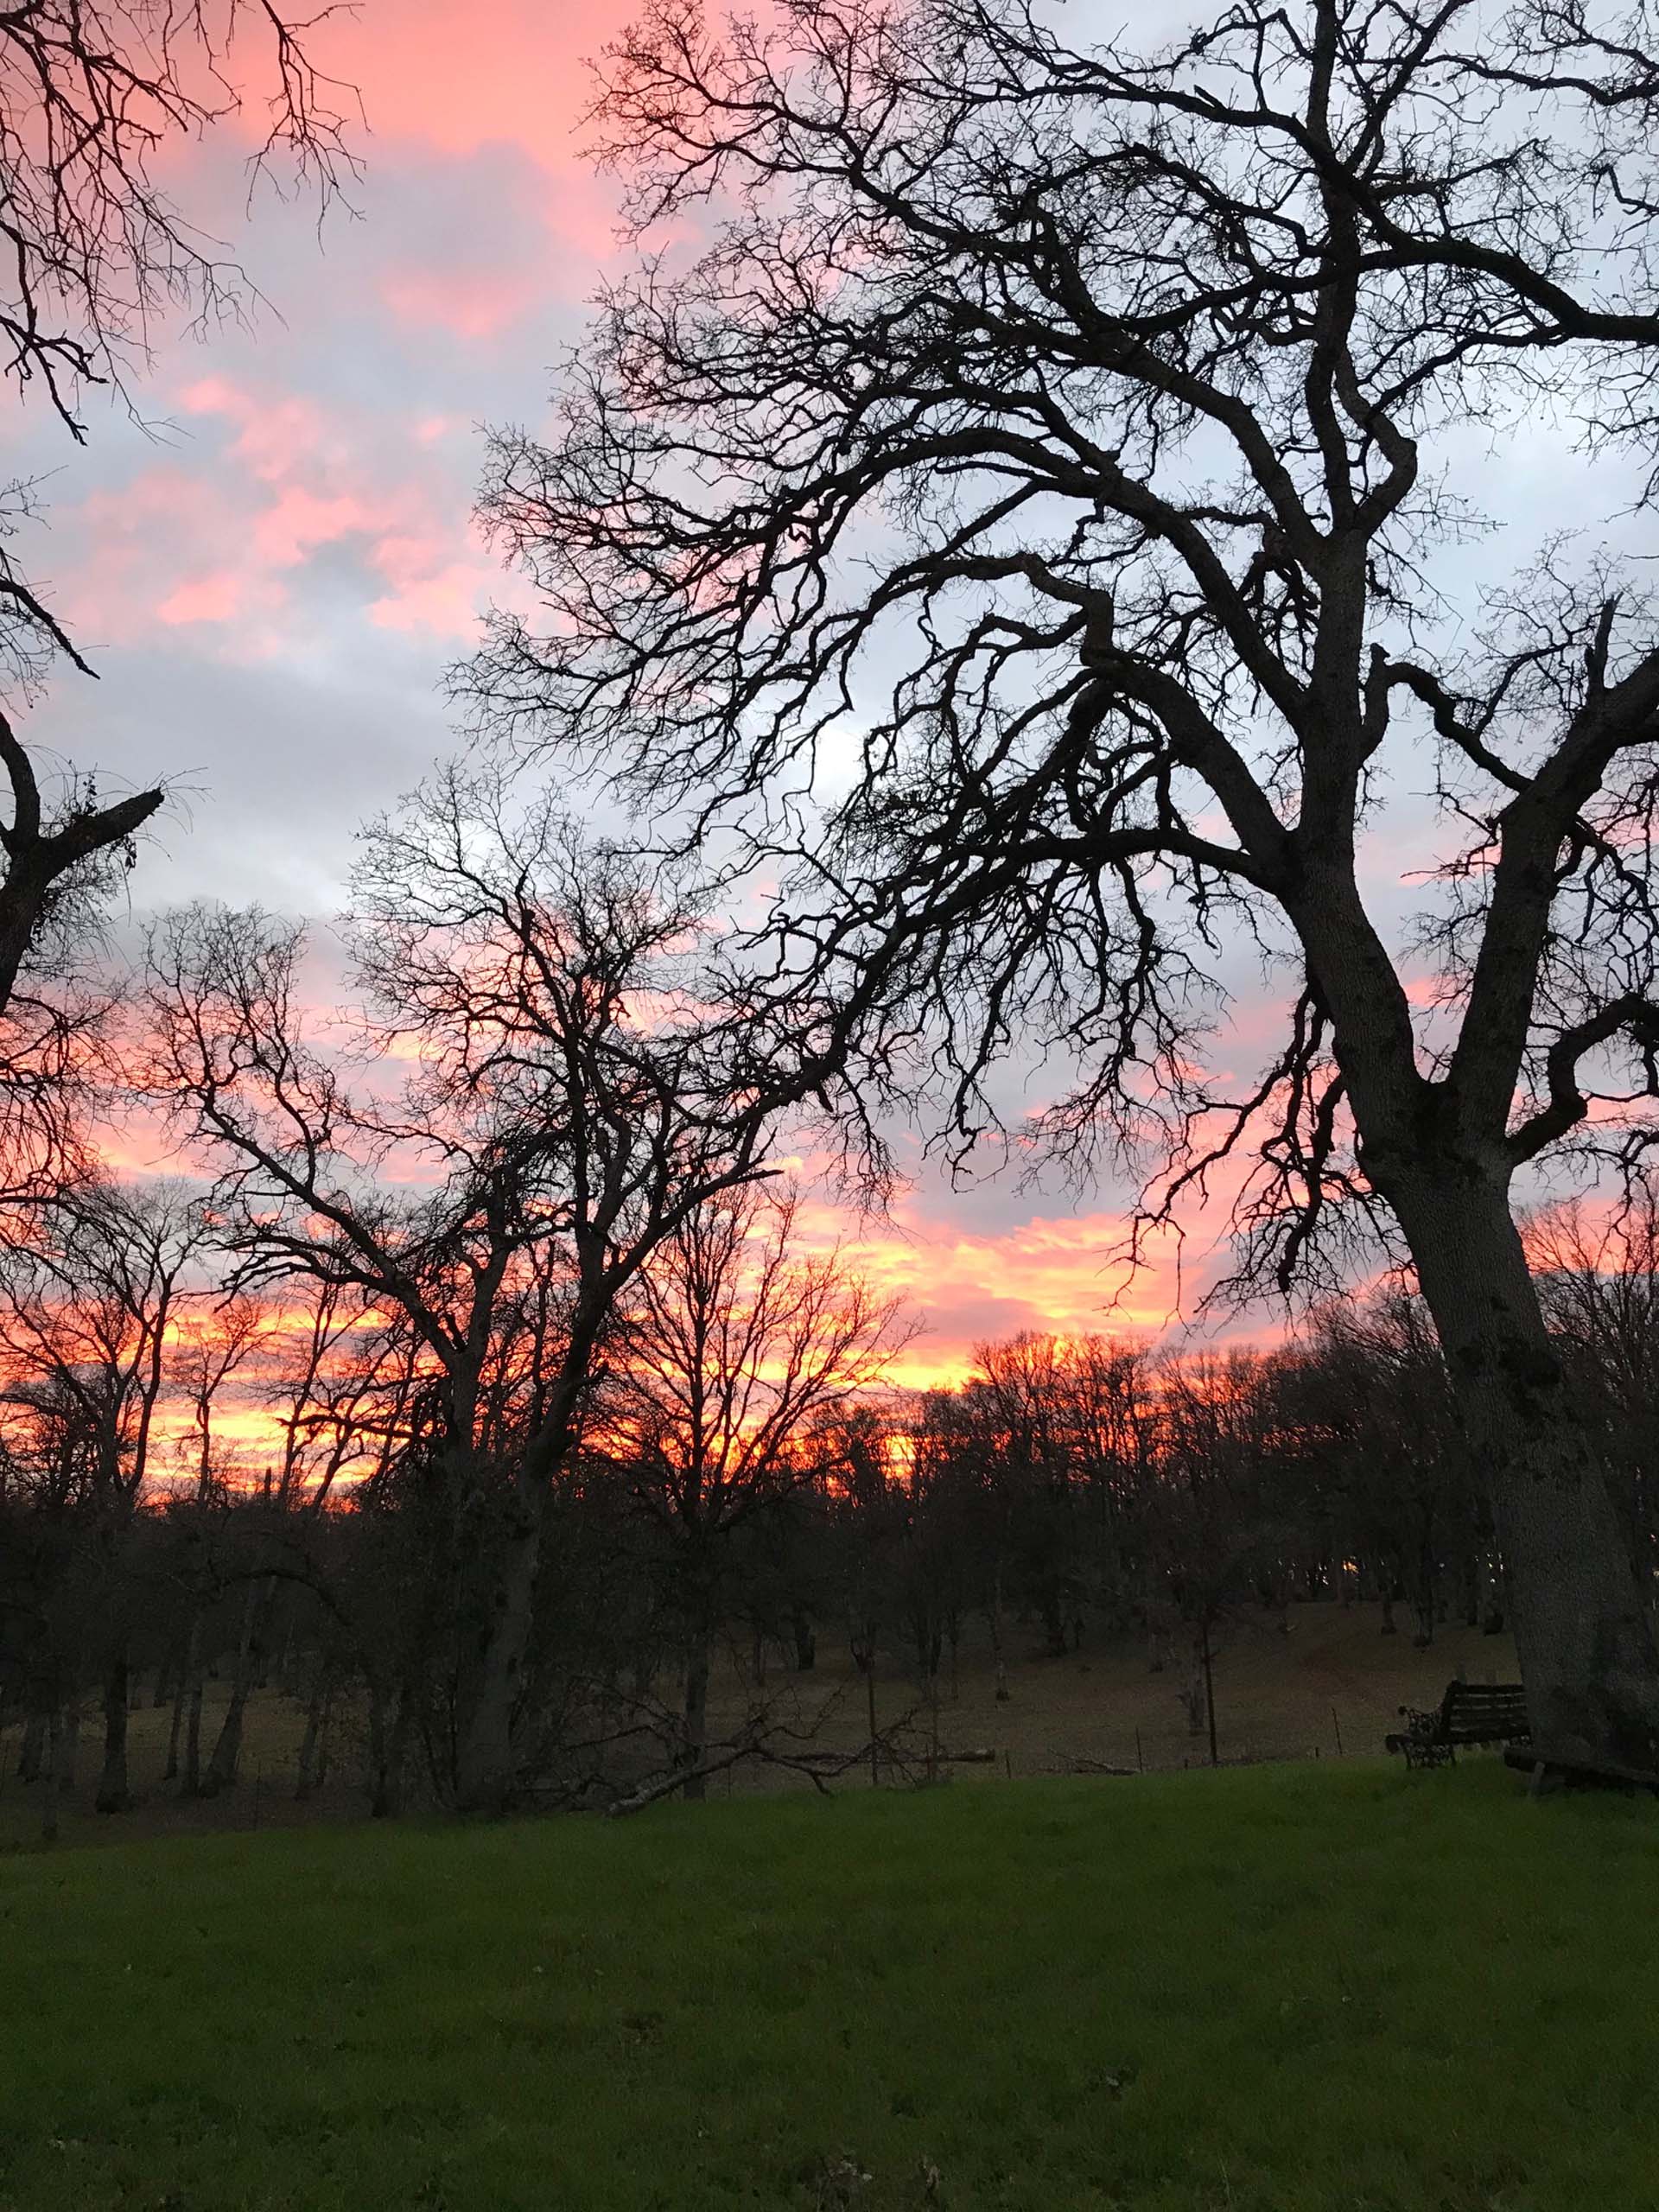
(274, 585)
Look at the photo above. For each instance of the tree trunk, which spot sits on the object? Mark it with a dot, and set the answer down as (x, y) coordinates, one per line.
(403, 1720)
(305, 1781)
(227, 1750)
(695, 1722)
(31, 1753)
(379, 1740)
(68, 1751)
(186, 1665)
(50, 1793)
(1584, 1636)
(807, 1642)
(113, 1795)
(195, 1673)
(869, 1708)
(998, 1656)
(485, 1773)
(1054, 1624)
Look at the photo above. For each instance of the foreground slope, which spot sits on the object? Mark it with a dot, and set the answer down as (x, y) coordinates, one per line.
(1272, 1990)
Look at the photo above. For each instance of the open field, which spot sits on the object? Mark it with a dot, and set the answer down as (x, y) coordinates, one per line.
(1277, 1696)
(1283, 1989)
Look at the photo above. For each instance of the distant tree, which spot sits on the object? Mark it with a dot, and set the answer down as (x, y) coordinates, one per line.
(1020, 1387)
(569, 1109)
(1063, 430)
(732, 1347)
(89, 1303)
(1371, 1385)
(1217, 1512)
(1598, 1278)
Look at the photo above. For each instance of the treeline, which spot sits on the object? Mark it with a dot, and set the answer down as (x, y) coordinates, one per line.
(197, 1485)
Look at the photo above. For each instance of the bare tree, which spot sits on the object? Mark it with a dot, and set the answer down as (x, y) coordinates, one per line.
(571, 1106)
(94, 95)
(1598, 1278)
(1063, 429)
(732, 1347)
(88, 1306)
(60, 856)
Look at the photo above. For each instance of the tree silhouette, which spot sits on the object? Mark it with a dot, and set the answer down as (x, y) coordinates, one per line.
(92, 94)
(1060, 431)
(569, 1103)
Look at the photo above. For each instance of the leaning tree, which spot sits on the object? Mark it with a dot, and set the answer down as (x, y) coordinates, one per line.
(1055, 444)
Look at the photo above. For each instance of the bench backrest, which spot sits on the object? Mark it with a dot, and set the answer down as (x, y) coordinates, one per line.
(1478, 1711)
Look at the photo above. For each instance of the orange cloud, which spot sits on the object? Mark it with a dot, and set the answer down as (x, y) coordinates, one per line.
(1059, 1273)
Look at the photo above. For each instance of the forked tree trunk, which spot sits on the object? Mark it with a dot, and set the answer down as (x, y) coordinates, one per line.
(1584, 1634)
(306, 1779)
(223, 1767)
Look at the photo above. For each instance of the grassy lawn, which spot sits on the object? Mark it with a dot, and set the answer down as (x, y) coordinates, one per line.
(1265, 1990)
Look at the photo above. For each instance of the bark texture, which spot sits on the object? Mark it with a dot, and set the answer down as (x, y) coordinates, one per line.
(1582, 1622)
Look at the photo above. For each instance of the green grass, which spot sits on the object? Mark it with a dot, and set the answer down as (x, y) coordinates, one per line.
(1273, 1990)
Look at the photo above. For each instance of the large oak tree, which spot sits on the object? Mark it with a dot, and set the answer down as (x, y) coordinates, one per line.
(1059, 432)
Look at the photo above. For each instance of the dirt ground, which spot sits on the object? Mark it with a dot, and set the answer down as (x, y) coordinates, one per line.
(1328, 1685)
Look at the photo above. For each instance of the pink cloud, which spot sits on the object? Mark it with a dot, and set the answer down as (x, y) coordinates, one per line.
(508, 72)
(219, 543)
(446, 605)
(209, 598)
(300, 521)
(277, 432)
(429, 592)
(473, 303)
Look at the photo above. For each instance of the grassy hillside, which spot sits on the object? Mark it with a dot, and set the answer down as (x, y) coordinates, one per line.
(1269, 1990)
(1326, 1678)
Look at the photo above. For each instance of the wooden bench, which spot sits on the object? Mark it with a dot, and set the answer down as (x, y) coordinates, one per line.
(1470, 1714)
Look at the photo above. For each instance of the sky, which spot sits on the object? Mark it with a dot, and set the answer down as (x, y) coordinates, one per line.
(272, 569)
